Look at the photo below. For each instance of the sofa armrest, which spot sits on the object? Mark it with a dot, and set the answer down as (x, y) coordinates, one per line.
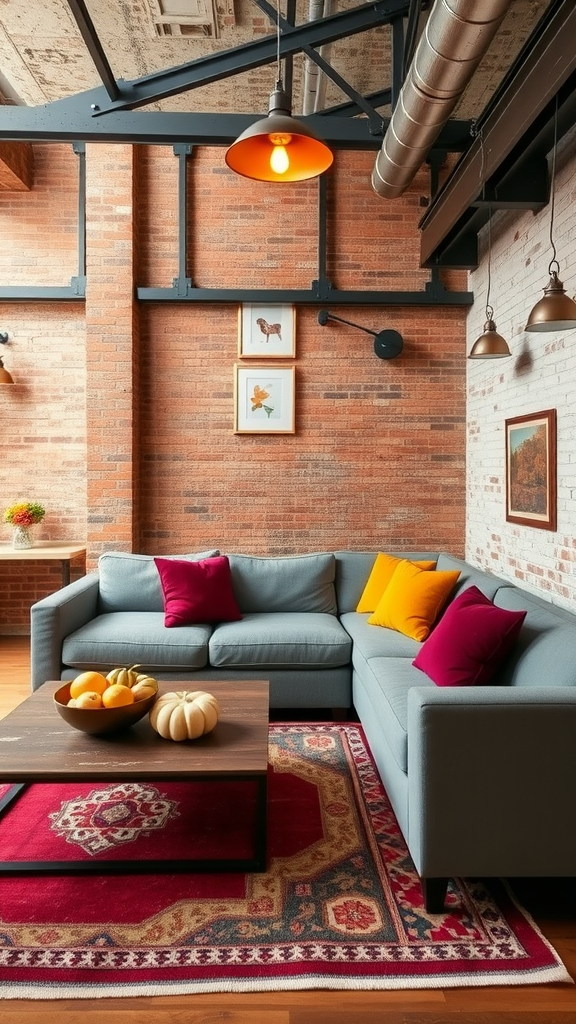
(52, 619)
(491, 780)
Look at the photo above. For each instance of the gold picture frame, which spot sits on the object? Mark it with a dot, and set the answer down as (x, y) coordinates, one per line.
(266, 331)
(264, 399)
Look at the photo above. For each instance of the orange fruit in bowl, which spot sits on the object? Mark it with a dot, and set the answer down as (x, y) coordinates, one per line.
(93, 682)
(116, 696)
(88, 699)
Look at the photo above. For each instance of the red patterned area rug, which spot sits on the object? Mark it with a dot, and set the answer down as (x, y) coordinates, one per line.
(339, 906)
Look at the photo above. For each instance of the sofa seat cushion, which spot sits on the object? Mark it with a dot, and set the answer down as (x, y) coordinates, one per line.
(130, 638)
(387, 681)
(376, 643)
(295, 583)
(280, 639)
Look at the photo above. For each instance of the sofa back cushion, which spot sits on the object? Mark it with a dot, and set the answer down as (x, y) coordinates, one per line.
(469, 575)
(295, 583)
(130, 583)
(545, 652)
(353, 569)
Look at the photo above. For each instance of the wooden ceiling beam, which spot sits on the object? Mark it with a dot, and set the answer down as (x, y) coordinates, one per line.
(16, 167)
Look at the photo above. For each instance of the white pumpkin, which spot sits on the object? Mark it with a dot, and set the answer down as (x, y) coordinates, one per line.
(184, 715)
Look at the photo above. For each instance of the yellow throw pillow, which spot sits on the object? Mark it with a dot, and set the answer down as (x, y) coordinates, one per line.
(379, 578)
(413, 599)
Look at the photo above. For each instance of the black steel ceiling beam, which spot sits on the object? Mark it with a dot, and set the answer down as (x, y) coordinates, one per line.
(376, 99)
(68, 120)
(516, 132)
(95, 49)
(310, 297)
(227, 63)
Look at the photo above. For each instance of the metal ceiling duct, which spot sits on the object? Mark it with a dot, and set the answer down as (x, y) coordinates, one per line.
(314, 92)
(456, 37)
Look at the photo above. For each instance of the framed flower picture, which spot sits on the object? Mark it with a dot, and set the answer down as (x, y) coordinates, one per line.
(264, 400)
(531, 470)
(266, 332)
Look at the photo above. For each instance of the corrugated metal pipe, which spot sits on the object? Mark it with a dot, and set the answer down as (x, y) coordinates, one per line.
(456, 37)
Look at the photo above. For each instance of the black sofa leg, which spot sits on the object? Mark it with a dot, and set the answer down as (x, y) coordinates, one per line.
(434, 893)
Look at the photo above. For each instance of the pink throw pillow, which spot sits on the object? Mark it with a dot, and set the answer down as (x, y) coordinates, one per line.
(197, 592)
(470, 642)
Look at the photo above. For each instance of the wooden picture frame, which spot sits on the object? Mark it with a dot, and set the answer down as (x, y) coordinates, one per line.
(264, 399)
(266, 331)
(531, 470)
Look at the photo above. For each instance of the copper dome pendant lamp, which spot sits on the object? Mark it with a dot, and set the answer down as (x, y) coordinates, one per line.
(490, 344)
(278, 147)
(556, 311)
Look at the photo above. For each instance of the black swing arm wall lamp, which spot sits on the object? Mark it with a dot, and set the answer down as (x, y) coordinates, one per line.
(5, 377)
(387, 344)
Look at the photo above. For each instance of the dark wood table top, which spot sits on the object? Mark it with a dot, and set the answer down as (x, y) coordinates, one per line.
(37, 745)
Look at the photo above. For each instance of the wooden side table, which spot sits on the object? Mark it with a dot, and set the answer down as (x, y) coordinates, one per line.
(45, 551)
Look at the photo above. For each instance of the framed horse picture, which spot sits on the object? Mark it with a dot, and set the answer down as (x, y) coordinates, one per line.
(266, 332)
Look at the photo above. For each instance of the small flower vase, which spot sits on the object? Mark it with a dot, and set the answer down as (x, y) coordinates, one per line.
(21, 538)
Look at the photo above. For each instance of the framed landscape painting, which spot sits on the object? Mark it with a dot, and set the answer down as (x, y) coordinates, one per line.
(266, 332)
(264, 400)
(531, 470)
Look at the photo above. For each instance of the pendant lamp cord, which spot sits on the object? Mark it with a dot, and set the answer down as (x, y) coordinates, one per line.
(553, 192)
(278, 69)
(489, 309)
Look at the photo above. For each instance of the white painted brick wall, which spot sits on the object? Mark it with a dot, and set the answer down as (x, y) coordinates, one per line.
(541, 374)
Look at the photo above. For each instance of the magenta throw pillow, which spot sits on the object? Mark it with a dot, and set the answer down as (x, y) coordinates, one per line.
(470, 642)
(197, 592)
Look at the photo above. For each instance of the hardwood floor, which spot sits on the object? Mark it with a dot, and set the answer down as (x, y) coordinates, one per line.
(552, 904)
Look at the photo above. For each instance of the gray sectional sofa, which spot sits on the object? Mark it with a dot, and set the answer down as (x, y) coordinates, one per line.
(481, 778)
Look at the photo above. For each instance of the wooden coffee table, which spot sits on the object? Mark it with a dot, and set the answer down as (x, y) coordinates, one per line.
(36, 746)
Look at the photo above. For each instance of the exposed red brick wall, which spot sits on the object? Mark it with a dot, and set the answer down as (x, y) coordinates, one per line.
(111, 339)
(123, 425)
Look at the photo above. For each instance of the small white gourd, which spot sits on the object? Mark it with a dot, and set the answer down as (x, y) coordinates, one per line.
(123, 676)
(184, 715)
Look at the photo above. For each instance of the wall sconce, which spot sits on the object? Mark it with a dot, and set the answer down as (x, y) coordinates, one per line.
(5, 377)
(387, 344)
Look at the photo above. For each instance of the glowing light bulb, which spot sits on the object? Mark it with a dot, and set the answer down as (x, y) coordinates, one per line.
(279, 160)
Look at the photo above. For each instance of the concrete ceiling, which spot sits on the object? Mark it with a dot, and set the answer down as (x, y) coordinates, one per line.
(44, 58)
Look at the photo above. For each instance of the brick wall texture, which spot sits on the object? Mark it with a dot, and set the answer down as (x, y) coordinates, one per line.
(540, 375)
(122, 418)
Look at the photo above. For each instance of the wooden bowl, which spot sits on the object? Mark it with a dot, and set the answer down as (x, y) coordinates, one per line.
(100, 721)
